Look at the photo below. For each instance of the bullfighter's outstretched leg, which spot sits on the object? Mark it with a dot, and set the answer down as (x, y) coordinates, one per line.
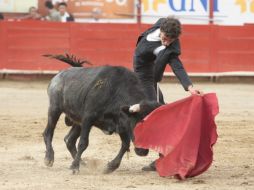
(71, 138)
(115, 163)
(83, 144)
(53, 116)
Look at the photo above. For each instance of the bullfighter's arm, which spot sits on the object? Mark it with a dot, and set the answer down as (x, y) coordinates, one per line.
(167, 57)
(179, 71)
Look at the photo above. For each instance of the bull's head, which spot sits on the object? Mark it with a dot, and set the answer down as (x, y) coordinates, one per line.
(137, 113)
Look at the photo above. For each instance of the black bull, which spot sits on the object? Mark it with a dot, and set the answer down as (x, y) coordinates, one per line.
(98, 96)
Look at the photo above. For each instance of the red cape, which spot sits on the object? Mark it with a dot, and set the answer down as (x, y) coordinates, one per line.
(183, 132)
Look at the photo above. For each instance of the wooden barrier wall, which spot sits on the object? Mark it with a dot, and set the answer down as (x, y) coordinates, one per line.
(205, 48)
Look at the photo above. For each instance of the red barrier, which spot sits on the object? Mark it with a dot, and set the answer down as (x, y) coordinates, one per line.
(205, 48)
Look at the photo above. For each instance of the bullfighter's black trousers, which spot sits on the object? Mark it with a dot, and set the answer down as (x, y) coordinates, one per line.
(145, 74)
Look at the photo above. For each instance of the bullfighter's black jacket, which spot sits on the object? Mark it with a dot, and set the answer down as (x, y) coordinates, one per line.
(145, 57)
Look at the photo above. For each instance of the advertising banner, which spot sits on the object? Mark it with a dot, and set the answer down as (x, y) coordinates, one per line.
(225, 12)
(190, 11)
(235, 12)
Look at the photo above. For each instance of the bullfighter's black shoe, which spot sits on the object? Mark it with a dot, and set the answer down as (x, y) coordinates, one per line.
(151, 167)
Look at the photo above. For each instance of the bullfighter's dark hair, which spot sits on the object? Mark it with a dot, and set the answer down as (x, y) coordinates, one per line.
(171, 27)
(49, 4)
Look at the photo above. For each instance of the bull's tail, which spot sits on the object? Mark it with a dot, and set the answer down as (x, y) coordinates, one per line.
(70, 59)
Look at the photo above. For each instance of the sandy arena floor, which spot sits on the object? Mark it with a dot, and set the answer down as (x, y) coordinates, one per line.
(23, 111)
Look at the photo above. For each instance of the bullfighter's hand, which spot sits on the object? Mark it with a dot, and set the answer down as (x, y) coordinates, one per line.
(194, 91)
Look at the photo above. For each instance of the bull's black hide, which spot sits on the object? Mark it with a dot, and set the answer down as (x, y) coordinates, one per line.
(95, 96)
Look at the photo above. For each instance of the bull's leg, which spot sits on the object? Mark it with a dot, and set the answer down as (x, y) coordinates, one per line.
(115, 163)
(53, 116)
(83, 144)
(71, 138)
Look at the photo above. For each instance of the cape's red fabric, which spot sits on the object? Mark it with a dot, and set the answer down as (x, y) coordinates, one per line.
(183, 132)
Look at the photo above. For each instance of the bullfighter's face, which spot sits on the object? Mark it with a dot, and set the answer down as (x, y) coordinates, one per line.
(165, 40)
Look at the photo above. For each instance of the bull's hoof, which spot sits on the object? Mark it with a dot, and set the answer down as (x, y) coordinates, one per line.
(110, 168)
(49, 158)
(75, 171)
(74, 167)
(141, 151)
(48, 162)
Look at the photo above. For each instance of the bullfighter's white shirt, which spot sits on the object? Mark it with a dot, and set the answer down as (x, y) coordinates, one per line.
(155, 37)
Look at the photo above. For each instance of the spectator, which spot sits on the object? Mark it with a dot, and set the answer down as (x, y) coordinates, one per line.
(53, 14)
(1, 16)
(65, 16)
(32, 15)
(96, 13)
